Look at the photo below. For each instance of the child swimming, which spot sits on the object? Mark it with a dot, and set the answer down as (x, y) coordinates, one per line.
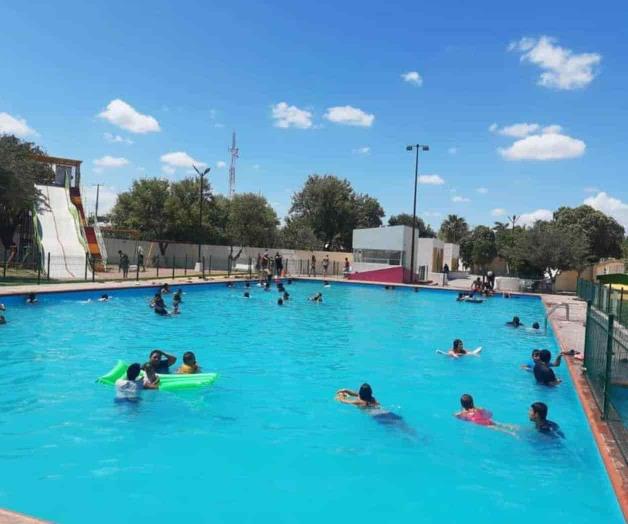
(458, 350)
(480, 416)
(189, 365)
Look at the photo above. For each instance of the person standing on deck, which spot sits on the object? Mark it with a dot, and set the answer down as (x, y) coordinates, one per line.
(313, 265)
(325, 265)
(140, 258)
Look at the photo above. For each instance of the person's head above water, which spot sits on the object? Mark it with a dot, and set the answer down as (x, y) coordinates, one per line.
(466, 401)
(536, 354)
(516, 321)
(538, 411)
(458, 344)
(280, 301)
(286, 296)
(366, 393)
(3, 320)
(536, 326)
(3, 307)
(155, 356)
(247, 294)
(189, 358)
(545, 356)
(104, 296)
(133, 371)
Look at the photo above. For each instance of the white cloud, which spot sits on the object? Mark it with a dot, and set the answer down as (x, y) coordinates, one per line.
(107, 197)
(362, 150)
(412, 77)
(256, 166)
(178, 159)
(10, 125)
(515, 130)
(453, 150)
(547, 146)
(291, 116)
(220, 164)
(561, 67)
(121, 114)
(117, 139)
(611, 206)
(432, 180)
(110, 161)
(498, 212)
(528, 219)
(552, 129)
(482, 190)
(459, 199)
(350, 116)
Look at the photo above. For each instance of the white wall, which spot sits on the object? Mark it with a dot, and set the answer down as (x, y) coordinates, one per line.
(424, 251)
(450, 252)
(390, 238)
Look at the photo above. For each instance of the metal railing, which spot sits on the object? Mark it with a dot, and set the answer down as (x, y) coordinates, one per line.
(606, 298)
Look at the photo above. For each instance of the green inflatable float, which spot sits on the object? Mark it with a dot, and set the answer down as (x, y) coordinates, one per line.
(166, 382)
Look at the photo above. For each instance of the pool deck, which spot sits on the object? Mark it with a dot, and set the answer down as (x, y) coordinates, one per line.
(569, 334)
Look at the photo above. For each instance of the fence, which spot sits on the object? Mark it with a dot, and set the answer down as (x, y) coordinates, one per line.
(606, 364)
(605, 298)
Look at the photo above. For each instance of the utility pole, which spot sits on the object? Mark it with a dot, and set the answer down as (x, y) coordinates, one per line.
(96, 210)
(200, 207)
(235, 154)
(418, 148)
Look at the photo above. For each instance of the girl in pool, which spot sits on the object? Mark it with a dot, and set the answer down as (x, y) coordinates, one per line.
(364, 399)
(480, 416)
(458, 350)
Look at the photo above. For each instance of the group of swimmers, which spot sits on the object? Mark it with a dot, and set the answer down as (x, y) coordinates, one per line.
(158, 304)
(159, 362)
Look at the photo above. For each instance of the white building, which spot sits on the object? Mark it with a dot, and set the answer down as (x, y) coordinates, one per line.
(384, 254)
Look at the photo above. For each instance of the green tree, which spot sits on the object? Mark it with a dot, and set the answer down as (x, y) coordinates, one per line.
(296, 234)
(405, 219)
(330, 207)
(143, 208)
(506, 238)
(453, 229)
(251, 221)
(478, 249)
(19, 172)
(603, 234)
(182, 210)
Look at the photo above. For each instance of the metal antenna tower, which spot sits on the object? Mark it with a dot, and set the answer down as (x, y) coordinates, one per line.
(235, 153)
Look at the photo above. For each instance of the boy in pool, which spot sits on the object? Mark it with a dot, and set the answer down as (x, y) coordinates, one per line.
(104, 298)
(31, 298)
(151, 380)
(189, 366)
(480, 416)
(128, 389)
(161, 365)
(458, 350)
(542, 370)
(514, 323)
(536, 356)
(538, 414)
(318, 297)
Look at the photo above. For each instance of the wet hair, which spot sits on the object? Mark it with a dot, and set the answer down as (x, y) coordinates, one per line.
(540, 409)
(286, 296)
(536, 353)
(536, 325)
(133, 371)
(466, 401)
(31, 296)
(247, 284)
(516, 320)
(104, 295)
(247, 294)
(189, 358)
(545, 355)
(153, 352)
(280, 301)
(386, 287)
(457, 342)
(366, 393)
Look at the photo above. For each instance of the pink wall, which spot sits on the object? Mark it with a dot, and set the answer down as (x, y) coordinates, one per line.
(394, 275)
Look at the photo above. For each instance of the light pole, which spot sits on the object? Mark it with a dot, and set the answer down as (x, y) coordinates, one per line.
(418, 148)
(200, 207)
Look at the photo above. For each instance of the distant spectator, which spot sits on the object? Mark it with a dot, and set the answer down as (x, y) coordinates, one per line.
(278, 264)
(140, 258)
(124, 264)
(446, 273)
(347, 266)
(325, 265)
(313, 265)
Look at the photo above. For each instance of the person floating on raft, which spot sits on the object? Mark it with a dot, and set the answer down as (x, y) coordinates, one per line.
(458, 350)
(480, 416)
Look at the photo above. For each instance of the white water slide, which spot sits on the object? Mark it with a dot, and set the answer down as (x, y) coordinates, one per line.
(61, 235)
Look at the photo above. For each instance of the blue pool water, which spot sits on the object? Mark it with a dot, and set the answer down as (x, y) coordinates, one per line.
(267, 442)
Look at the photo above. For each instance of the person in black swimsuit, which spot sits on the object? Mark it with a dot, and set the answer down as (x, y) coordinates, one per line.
(538, 415)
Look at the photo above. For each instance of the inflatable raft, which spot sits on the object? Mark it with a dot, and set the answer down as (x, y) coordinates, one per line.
(168, 382)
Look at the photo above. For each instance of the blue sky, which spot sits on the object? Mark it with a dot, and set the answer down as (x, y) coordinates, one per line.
(319, 87)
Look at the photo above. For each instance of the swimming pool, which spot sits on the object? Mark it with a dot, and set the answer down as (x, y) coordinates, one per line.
(267, 442)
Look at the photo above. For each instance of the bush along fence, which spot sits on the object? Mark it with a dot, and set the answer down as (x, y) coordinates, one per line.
(606, 357)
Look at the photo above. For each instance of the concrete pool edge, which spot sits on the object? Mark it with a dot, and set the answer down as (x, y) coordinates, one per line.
(615, 466)
(11, 517)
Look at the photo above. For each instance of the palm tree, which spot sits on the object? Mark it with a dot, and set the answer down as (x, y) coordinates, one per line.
(453, 229)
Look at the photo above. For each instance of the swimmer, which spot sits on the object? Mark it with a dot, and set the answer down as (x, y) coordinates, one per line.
(326, 284)
(177, 298)
(286, 296)
(128, 389)
(538, 414)
(289, 281)
(3, 307)
(165, 289)
(247, 294)
(151, 379)
(364, 399)
(31, 298)
(480, 416)
(189, 366)
(2, 320)
(458, 350)
(515, 322)
(247, 285)
(318, 297)
(280, 301)
(176, 308)
(158, 305)
(542, 369)
(506, 295)
(161, 365)
(266, 287)
(104, 298)
(416, 289)
(229, 284)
